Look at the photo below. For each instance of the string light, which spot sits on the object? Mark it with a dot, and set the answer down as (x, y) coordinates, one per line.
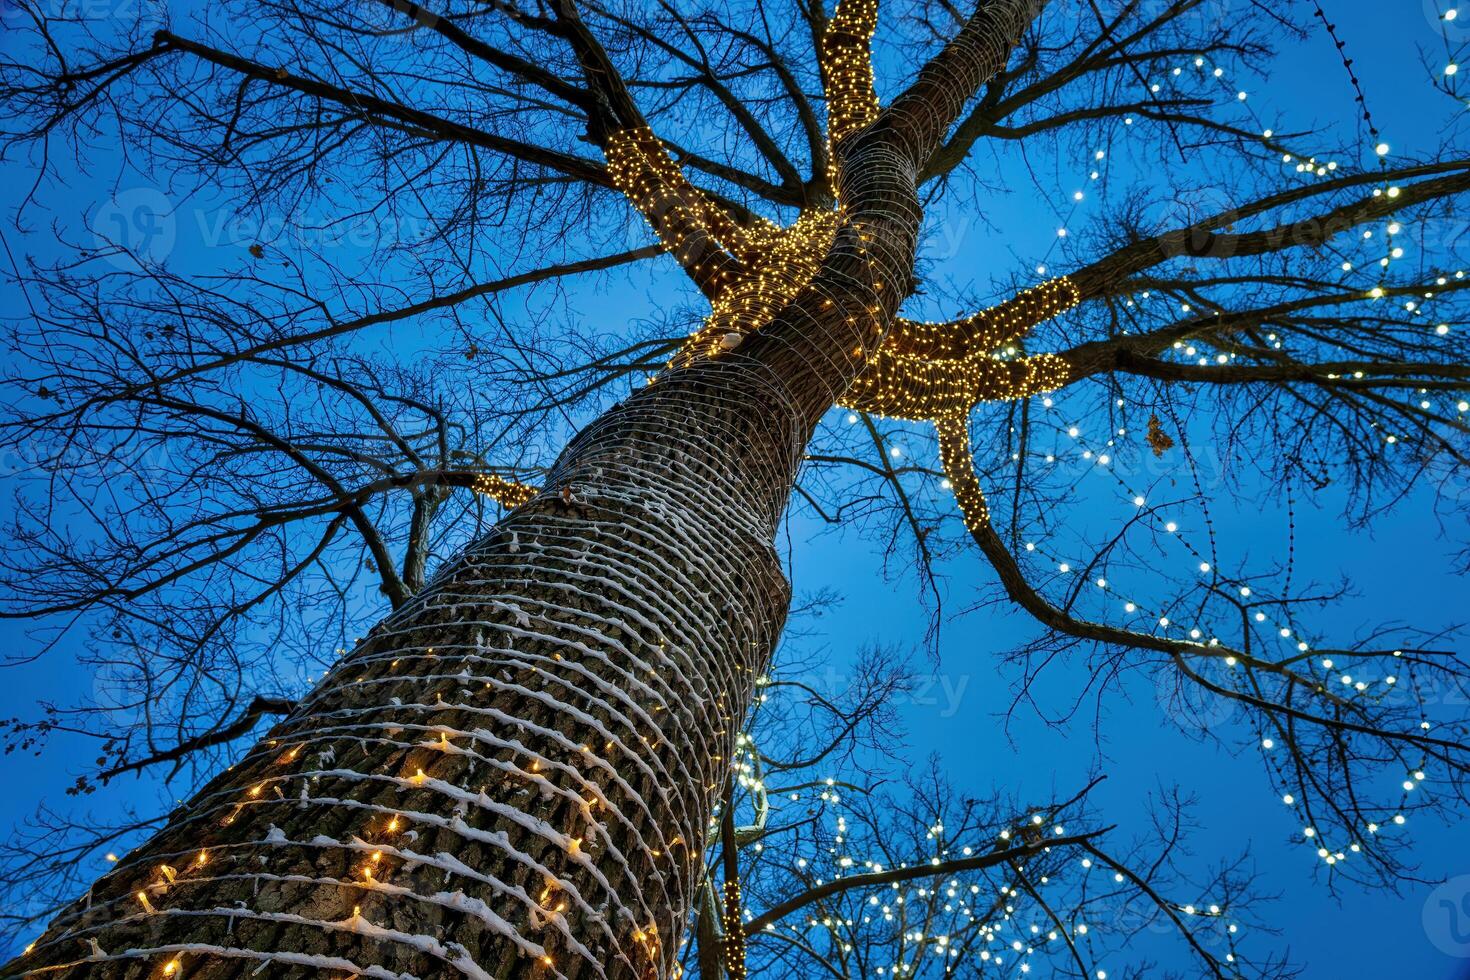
(505, 492)
(749, 272)
(928, 371)
(733, 941)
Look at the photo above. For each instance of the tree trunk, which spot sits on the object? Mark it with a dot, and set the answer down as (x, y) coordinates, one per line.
(513, 775)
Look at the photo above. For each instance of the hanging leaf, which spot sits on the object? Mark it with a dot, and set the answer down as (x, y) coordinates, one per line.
(1158, 439)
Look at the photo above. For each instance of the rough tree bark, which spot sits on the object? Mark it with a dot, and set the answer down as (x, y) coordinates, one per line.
(514, 774)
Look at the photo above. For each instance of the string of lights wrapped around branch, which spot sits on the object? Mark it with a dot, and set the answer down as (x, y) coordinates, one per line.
(959, 469)
(918, 389)
(694, 229)
(847, 62)
(992, 327)
(733, 942)
(749, 272)
(507, 493)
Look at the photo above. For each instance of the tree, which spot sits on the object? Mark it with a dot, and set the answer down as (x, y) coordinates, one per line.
(519, 770)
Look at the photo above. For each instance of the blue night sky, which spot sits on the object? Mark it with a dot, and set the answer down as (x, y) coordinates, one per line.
(1401, 570)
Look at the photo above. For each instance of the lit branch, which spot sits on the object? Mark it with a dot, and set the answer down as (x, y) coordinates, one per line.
(507, 493)
(1293, 702)
(989, 329)
(749, 272)
(932, 371)
(927, 371)
(906, 386)
(847, 69)
(707, 242)
(1000, 856)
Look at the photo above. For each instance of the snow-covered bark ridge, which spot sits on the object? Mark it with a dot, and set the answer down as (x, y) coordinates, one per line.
(514, 774)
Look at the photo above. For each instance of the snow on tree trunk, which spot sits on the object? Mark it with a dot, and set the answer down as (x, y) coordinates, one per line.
(515, 774)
